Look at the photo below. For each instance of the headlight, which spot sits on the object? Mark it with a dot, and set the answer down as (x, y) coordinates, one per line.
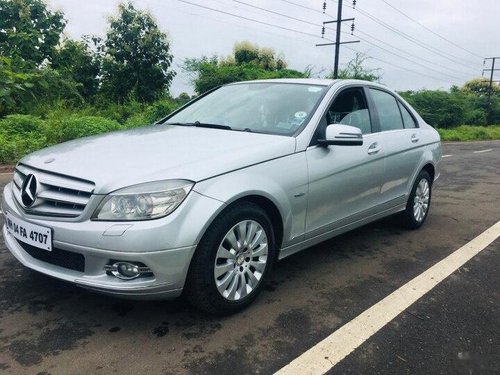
(151, 200)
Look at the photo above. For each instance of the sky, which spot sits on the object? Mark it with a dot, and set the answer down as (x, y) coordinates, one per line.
(410, 55)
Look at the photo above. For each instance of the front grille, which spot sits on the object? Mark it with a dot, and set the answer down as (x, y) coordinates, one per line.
(57, 195)
(57, 257)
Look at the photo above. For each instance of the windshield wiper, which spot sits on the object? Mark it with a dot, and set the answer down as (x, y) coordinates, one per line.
(214, 126)
(200, 125)
(178, 123)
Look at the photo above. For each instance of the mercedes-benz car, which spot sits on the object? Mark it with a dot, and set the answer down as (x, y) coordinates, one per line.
(207, 199)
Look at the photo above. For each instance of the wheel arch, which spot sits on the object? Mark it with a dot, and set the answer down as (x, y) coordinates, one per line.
(429, 168)
(272, 212)
(269, 207)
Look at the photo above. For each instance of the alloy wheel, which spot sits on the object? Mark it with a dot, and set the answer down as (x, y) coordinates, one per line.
(421, 200)
(241, 260)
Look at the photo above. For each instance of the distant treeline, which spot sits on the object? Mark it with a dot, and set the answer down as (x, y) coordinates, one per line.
(54, 89)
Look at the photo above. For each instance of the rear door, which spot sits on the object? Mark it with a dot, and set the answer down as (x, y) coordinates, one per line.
(400, 140)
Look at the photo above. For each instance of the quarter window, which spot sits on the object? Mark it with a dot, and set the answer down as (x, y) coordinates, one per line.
(408, 119)
(388, 110)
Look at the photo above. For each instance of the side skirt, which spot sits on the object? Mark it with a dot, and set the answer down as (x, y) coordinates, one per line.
(287, 251)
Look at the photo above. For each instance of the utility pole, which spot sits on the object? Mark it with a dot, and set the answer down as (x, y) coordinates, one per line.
(337, 43)
(490, 90)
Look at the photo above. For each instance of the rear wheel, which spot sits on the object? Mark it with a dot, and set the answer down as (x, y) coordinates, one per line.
(232, 260)
(419, 202)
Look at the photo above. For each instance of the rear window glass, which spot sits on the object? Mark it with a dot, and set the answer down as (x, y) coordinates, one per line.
(388, 110)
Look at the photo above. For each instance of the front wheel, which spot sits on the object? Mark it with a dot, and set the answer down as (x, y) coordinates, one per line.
(419, 202)
(232, 260)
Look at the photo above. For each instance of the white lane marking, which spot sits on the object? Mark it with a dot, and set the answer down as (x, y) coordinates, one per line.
(6, 173)
(327, 353)
(480, 151)
(446, 156)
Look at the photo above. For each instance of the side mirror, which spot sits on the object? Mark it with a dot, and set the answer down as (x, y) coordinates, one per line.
(342, 135)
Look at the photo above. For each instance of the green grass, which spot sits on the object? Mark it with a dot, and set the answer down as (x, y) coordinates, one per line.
(466, 133)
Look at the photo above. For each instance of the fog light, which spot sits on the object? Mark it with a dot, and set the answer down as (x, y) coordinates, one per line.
(127, 270)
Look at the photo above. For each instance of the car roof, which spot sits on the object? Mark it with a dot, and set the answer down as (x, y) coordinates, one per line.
(315, 81)
(308, 81)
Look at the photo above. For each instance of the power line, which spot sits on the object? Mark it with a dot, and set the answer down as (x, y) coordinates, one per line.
(416, 41)
(402, 67)
(391, 28)
(277, 13)
(407, 59)
(240, 25)
(380, 41)
(430, 30)
(247, 18)
(409, 53)
(286, 15)
(309, 35)
(305, 7)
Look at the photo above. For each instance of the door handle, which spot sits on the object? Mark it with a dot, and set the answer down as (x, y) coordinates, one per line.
(414, 138)
(373, 149)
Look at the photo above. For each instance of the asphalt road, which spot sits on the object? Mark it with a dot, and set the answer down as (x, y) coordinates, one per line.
(47, 326)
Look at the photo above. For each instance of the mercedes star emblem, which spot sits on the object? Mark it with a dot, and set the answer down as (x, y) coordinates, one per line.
(28, 190)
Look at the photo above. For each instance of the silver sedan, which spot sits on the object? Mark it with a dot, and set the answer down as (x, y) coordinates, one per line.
(206, 200)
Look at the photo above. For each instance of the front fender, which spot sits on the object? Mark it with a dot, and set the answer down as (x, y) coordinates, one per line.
(283, 181)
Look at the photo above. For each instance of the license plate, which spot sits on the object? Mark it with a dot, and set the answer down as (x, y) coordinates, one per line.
(31, 234)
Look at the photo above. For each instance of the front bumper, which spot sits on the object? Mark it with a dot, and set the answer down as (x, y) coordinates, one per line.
(145, 242)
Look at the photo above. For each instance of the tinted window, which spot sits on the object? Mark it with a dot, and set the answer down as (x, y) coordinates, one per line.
(349, 108)
(388, 110)
(408, 119)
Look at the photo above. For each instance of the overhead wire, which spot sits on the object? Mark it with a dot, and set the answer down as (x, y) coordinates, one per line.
(408, 53)
(402, 67)
(315, 24)
(431, 49)
(304, 33)
(407, 59)
(247, 18)
(426, 46)
(430, 30)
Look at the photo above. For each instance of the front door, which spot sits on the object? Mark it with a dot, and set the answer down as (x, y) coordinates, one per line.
(344, 181)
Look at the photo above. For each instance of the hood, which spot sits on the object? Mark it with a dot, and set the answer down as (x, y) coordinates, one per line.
(160, 152)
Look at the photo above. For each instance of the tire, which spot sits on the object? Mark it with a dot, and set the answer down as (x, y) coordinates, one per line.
(230, 264)
(419, 202)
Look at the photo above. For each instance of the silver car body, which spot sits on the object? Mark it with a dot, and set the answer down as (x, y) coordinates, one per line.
(312, 193)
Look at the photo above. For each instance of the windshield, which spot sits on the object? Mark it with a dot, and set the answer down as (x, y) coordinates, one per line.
(275, 108)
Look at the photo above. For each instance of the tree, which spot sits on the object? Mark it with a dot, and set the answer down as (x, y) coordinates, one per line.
(355, 69)
(12, 85)
(248, 62)
(249, 53)
(75, 60)
(137, 57)
(480, 87)
(29, 32)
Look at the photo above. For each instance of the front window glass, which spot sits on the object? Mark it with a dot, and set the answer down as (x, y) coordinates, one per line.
(275, 108)
(350, 108)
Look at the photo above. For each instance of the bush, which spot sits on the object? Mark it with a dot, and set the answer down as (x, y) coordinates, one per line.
(71, 127)
(21, 125)
(13, 148)
(137, 120)
(81, 126)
